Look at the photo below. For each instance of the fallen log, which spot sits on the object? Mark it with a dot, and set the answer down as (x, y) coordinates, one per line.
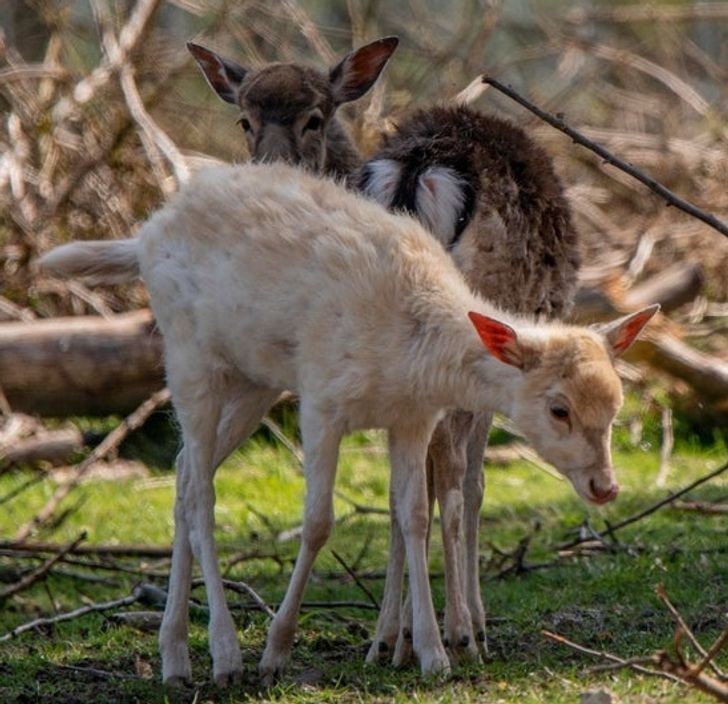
(52, 446)
(671, 288)
(85, 365)
(90, 365)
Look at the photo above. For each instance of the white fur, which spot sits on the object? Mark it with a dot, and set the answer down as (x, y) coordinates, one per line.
(264, 278)
(440, 199)
(383, 181)
(97, 262)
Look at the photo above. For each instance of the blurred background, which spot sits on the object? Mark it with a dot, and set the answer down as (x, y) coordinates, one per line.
(102, 103)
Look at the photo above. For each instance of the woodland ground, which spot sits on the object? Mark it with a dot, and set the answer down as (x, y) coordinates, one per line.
(605, 601)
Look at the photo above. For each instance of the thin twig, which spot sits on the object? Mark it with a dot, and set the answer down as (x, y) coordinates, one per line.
(662, 596)
(40, 572)
(651, 509)
(68, 615)
(578, 138)
(356, 579)
(118, 550)
(668, 441)
(241, 588)
(632, 664)
(718, 645)
(98, 673)
(611, 529)
(109, 443)
(20, 489)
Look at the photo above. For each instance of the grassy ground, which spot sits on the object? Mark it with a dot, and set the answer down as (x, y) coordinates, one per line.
(605, 601)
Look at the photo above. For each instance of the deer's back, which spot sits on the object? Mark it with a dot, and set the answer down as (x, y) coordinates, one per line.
(515, 241)
(292, 279)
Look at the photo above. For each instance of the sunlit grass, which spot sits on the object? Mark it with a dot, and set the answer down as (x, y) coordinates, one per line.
(605, 601)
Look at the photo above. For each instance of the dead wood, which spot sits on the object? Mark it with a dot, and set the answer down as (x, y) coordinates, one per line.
(654, 185)
(662, 596)
(611, 529)
(671, 288)
(636, 664)
(140, 593)
(30, 546)
(356, 579)
(109, 443)
(36, 575)
(701, 507)
(80, 365)
(52, 446)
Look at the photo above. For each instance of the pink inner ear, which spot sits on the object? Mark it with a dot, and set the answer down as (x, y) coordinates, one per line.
(630, 330)
(496, 336)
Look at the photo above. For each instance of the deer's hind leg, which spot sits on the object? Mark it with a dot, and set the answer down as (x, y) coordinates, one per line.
(215, 420)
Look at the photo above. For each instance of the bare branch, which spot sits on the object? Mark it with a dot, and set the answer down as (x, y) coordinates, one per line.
(578, 138)
(39, 573)
(662, 596)
(356, 579)
(633, 664)
(109, 443)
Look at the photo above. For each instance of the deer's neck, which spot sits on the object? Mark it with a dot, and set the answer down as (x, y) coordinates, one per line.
(454, 368)
(342, 157)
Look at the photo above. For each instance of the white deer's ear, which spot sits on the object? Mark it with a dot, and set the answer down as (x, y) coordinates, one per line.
(621, 333)
(224, 76)
(502, 342)
(356, 73)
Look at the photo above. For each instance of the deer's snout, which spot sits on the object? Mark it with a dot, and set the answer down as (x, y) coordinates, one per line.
(276, 143)
(602, 495)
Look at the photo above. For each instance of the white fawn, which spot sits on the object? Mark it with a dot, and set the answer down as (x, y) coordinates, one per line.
(490, 195)
(263, 278)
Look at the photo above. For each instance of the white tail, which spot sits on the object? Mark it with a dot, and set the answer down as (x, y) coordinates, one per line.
(98, 261)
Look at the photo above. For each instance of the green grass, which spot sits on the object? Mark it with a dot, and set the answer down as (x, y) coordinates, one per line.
(605, 601)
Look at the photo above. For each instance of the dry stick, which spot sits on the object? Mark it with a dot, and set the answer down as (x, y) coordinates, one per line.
(298, 455)
(693, 674)
(68, 615)
(662, 596)
(608, 656)
(699, 507)
(40, 572)
(354, 576)
(119, 550)
(578, 138)
(109, 443)
(649, 510)
(649, 13)
(240, 588)
(668, 440)
(718, 645)
(130, 37)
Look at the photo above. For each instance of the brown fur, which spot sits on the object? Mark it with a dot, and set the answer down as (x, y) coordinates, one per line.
(288, 110)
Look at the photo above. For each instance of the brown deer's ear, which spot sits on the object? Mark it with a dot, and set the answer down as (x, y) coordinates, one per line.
(356, 73)
(223, 75)
(502, 341)
(621, 333)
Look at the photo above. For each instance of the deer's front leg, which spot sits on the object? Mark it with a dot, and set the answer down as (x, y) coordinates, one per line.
(408, 449)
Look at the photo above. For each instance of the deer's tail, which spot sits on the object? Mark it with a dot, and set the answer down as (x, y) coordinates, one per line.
(99, 261)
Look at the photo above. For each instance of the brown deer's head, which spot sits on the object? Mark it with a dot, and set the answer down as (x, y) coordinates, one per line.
(287, 110)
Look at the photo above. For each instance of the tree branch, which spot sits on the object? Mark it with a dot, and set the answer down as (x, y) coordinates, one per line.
(558, 123)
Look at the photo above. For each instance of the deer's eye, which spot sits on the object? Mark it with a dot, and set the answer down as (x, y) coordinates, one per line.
(559, 412)
(314, 123)
(244, 122)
